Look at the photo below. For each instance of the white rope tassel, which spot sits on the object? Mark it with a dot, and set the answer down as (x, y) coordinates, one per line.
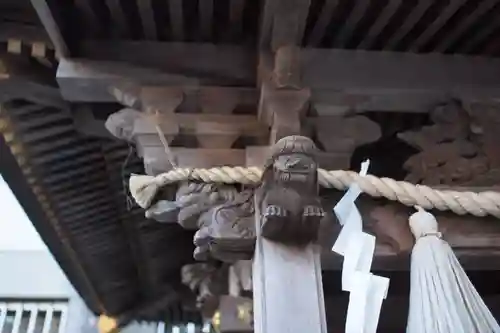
(442, 298)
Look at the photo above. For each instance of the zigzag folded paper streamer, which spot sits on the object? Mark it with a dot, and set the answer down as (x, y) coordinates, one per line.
(367, 291)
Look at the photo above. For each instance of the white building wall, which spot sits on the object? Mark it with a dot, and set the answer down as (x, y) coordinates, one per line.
(28, 276)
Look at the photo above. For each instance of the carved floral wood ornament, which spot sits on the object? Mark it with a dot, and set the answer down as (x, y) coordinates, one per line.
(456, 148)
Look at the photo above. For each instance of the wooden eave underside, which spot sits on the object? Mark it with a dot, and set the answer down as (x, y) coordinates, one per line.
(466, 27)
(211, 48)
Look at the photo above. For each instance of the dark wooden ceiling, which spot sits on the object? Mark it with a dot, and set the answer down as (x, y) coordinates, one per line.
(445, 26)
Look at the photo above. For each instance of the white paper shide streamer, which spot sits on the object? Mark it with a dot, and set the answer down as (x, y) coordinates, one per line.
(367, 291)
(442, 298)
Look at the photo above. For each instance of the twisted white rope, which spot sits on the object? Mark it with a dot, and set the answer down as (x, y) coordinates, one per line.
(144, 188)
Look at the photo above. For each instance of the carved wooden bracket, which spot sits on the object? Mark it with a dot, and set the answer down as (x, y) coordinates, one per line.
(227, 231)
(291, 206)
(209, 282)
(340, 135)
(286, 74)
(283, 110)
(218, 100)
(390, 224)
(161, 99)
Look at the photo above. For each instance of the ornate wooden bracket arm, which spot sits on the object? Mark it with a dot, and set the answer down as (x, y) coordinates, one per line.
(286, 73)
(291, 207)
(227, 231)
(209, 282)
(283, 110)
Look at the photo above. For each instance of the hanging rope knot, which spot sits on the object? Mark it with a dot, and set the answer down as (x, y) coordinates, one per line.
(435, 234)
(143, 188)
(423, 224)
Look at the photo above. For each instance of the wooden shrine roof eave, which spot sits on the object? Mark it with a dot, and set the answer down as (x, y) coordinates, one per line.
(338, 79)
(14, 177)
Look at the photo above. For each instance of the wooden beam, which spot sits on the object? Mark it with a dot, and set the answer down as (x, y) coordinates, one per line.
(205, 124)
(176, 12)
(86, 123)
(118, 19)
(380, 23)
(24, 32)
(286, 279)
(479, 36)
(473, 239)
(347, 29)
(146, 12)
(20, 80)
(283, 110)
(89, 17)
(431, 30)
(319, 29)
(236, 19)
(53, 30)
(82, 80)
(366, 81)
(452, 37)
(234, 65)
(155, 160)
(266, 22)
(206, 12)
(415, 15)
(289, 23)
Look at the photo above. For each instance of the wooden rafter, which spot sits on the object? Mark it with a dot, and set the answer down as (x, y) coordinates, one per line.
(51, 26)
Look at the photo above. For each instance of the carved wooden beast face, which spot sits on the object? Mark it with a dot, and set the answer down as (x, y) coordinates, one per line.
(299, 168)
(291, 207)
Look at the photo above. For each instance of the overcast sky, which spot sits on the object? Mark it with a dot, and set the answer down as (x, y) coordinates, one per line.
(16, 230)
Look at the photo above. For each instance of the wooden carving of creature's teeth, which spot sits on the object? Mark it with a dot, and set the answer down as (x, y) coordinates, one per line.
(271, 210)
(314, 211)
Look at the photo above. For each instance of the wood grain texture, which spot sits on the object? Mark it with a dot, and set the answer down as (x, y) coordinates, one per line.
(206, 124)
(289, 23)
(479, 36)
(437, 24)
(415, 15)
(120, 24)
(146, 12)
(283, 110)
(471, 238)
(380, 23)
(51, 26)
(287, 281)
(176, 12)
(347, 29)
(319, 29)
(89, 17)
(206, 13)
(387, 80)
(457, 149)
(269, 8)
(185, 59)
(452, 37)
(236, 9)
(26, 33)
